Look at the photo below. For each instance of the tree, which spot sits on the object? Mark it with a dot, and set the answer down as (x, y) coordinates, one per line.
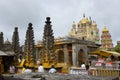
(117, 48)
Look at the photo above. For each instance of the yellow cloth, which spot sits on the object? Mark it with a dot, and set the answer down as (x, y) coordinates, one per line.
(23, 69)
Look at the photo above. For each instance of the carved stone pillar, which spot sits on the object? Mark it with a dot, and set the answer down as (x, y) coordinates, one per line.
(37, 54)
(74, 60)
(66, 54)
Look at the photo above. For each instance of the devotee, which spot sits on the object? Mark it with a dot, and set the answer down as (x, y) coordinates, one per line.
(40, 68)
(27, 70)
(83, 65)
(89, 70)
(52, 70)
(23, 69)
(12, 69)
(119, 66)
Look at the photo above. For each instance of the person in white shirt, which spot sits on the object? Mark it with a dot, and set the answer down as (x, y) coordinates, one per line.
(52, 70)
(40, 68)
(12, 69)
(83, 65)
(27, 70)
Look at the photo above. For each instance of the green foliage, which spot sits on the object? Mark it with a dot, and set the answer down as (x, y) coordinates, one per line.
(117, 48)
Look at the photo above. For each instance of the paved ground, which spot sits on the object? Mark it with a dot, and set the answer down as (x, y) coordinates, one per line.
(56, 76)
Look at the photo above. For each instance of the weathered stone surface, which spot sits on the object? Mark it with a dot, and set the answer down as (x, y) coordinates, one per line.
(59, 76)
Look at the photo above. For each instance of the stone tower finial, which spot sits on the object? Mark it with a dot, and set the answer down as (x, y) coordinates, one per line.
(84, 15)
(1, 33)
(48, 20)
(30, 26)
(90, 17)
(16, 28)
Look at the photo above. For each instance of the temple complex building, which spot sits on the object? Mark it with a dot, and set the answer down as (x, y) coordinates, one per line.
(106, 40)
(69, 50)
(86, 29)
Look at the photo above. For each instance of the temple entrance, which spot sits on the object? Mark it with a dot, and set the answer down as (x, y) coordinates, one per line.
(81, 57)
(7, 61)
(70, 58)
(60, 56)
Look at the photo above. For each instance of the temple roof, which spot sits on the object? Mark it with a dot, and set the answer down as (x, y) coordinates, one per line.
(105, 29)
(2, 53)
(84, 19)
(73, 23)
(94, 23)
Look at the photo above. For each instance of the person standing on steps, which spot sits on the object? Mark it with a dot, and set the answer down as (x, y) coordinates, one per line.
(40, 68)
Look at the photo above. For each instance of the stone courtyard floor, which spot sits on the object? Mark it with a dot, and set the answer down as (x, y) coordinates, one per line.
(54, 76)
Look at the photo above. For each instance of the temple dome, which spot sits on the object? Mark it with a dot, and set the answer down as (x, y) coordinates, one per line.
(84, 19)
(105, 29)
(7, 42)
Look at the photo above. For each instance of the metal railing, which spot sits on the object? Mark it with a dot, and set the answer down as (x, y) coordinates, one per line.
(106, 72)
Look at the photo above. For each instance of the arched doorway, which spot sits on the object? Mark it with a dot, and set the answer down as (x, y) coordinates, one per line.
(81, 57)
(60, 56)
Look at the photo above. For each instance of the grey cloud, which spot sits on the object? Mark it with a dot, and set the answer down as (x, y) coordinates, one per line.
(62, 12)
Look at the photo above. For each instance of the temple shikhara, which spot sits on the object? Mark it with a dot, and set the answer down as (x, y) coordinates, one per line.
(106, 40)
(85, 29)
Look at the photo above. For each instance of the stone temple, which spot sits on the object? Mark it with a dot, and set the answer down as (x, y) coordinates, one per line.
(73, 49)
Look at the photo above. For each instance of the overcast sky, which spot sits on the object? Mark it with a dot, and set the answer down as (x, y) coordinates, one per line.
(18, 13)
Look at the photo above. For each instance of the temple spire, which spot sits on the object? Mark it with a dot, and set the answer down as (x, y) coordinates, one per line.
(29, 46)
(48, 42)
(90, 18)
(1, 40)
(48, 20)
(84, 15)
(15, 45)
(106, 42)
